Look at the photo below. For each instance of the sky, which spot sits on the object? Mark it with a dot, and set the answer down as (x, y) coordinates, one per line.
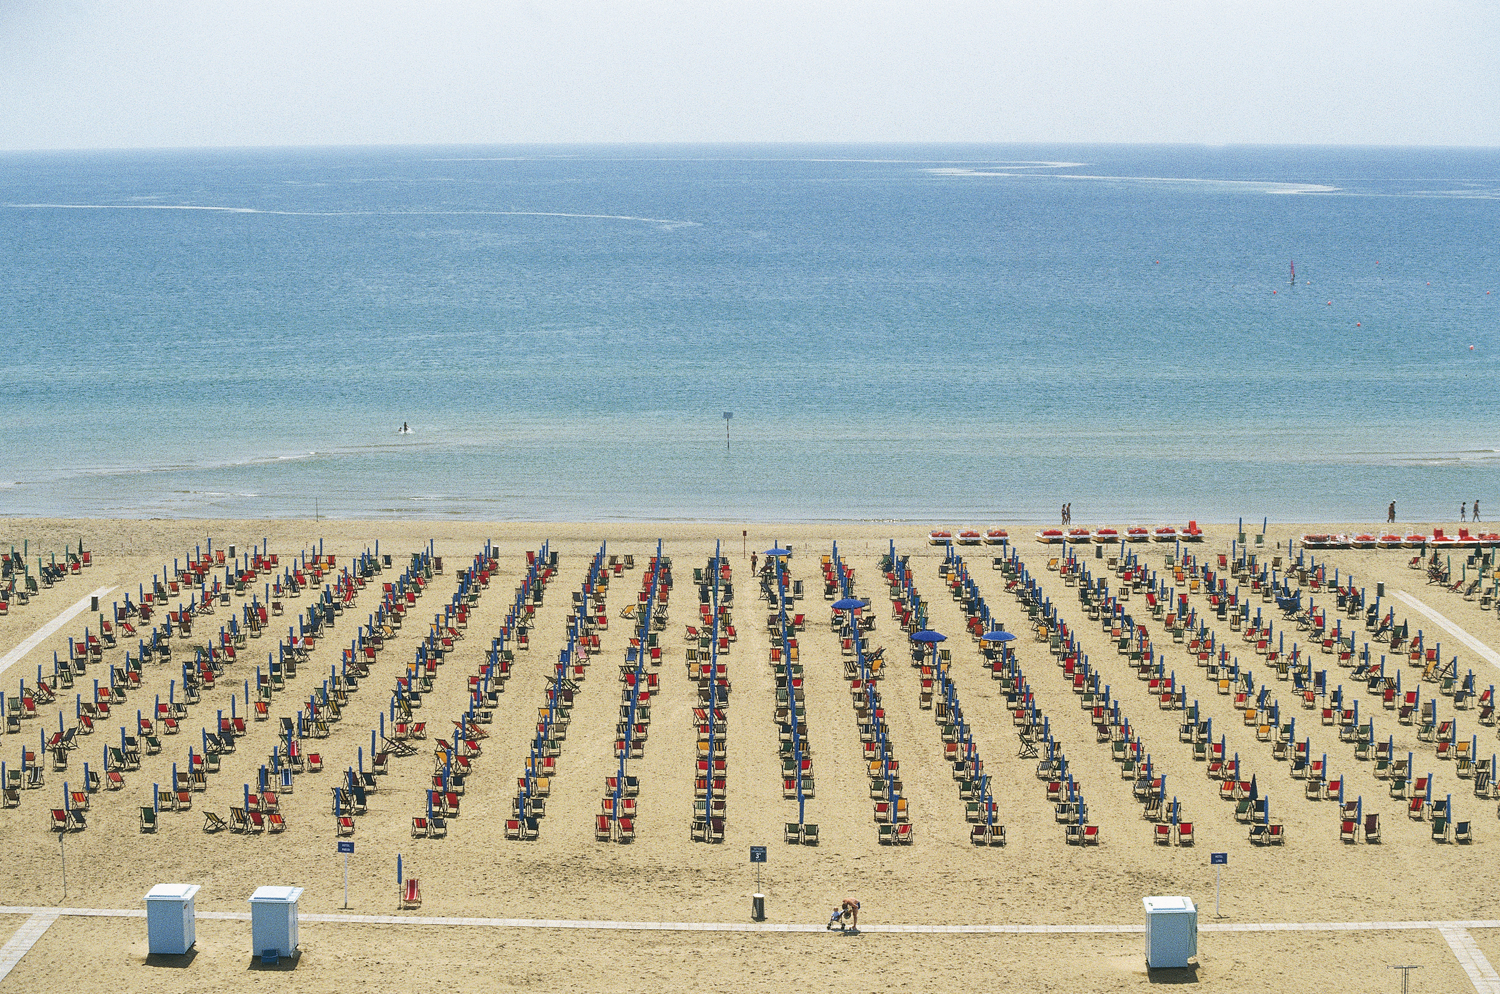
(142, 74)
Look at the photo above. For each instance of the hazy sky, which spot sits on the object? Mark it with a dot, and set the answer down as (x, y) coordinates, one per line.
(131, 73)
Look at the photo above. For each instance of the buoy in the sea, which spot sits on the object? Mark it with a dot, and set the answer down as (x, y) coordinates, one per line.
(1471, 348)
(1356, 324)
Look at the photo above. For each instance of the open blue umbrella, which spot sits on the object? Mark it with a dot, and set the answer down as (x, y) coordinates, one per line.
(927, 637)
(778, 552)
(849, 604)
(995, 637)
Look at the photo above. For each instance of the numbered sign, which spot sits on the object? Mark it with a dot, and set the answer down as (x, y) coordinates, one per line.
(757, 854)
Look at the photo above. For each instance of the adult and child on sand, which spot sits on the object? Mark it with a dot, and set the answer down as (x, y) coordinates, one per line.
(845, 916)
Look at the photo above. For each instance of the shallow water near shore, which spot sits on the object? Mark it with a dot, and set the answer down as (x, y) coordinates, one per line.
(959, 334)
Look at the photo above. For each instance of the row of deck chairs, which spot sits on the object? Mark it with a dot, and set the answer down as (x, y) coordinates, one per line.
(939, 693)
(616, 820)
(534, 785)
(863, 669)
(1251, 806)
(1109, 721)
(789, 711)
(708, 646)
(163, 720)
(453, 762)
(261, 812)
(1069, 807)
(17, 583)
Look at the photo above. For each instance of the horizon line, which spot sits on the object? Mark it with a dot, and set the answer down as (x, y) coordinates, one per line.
(742, 143)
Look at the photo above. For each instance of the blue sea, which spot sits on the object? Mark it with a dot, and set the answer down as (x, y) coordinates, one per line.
(956, 334)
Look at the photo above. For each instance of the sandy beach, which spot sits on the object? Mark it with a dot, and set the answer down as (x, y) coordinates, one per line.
(939, 880)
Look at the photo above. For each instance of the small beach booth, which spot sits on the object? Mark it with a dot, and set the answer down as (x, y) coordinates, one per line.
(1171, 931)
(273, 921)
(169, 919)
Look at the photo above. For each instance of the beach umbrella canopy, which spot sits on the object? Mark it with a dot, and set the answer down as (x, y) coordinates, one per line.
(778, 552)
(996, 637)
(926, 635)
(848, 604)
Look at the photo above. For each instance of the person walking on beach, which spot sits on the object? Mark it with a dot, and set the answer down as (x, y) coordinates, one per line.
(1390, 512)
(1476, 509)
(1463, 509)
(754, 559)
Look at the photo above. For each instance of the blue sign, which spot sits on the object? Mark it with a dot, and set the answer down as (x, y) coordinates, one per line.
(757, 854)
(346, 847)
(1218, 859)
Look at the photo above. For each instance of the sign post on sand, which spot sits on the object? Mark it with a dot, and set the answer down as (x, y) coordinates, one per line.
(346, 848)
(1218, 860)
(758, 902)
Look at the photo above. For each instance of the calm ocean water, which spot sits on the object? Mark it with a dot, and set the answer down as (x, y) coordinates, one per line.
(958, 334)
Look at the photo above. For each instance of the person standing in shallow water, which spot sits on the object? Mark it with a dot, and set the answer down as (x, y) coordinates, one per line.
(1390, 512)
(1463, 509)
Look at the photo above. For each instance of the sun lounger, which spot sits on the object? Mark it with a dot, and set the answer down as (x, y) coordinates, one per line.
(213, 823)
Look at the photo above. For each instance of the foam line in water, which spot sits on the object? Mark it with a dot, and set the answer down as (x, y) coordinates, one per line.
(664, 222)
